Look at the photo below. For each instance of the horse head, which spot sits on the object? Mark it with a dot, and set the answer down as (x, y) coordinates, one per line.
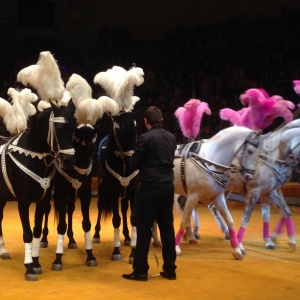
(124, 131)
(60, 131)
(249, 151)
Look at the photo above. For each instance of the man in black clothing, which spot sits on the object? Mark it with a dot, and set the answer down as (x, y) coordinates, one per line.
(154, 157)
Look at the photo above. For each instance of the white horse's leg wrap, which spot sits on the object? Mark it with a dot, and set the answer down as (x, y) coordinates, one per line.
(88, 240)
(36, 247)
(28, 253)
(117, 242)
(60, 244)
(133, 237)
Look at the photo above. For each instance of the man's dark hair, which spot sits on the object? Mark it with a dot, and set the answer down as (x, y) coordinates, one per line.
(154, 116)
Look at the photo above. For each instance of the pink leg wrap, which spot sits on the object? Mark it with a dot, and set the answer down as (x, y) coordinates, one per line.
(290, 226)
(233, 239)
(240, 234)
(178, 237)
(279, 226)
(266, 231)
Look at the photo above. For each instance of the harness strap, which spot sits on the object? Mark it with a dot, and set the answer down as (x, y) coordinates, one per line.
(124, 181)
(182, 164)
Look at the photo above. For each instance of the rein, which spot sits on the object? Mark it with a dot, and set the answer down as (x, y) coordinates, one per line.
(76, 184)
(281, 176)
(12, 146)
(221, 177)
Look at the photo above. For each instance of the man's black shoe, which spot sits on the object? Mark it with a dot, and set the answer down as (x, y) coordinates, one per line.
(135, 276)
(168, 276)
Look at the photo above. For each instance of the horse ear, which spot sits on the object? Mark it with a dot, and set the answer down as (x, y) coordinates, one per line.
(71, 106)
(54, 107)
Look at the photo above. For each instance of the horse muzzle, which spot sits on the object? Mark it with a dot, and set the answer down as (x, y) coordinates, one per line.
(247, 174)
(66, 161)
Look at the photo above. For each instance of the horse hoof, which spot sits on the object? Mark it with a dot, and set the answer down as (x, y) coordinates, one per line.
(227, 236)
(38, 270)
(271, 247)
(197, 235)
(127, 242)
(243, 251)
(156, 244)
(193, 242)
(96, 240)
(72, 246)
(292, 245)
(237, 254)
(43, 244)
(274, 238)
(57, 267)
(91, 263)
(31, 277)
(116, 257)
(5, 256)
(131, 260)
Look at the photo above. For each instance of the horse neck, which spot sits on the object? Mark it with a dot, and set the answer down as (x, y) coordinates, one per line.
(223, 147)
(290, 142)
(36, 138)
(83, 154)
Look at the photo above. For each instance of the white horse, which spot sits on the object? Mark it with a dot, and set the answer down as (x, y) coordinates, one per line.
(202, 170)
(281, 153)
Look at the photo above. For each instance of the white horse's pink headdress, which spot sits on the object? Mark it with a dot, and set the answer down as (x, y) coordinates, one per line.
(261, 110)
(190, 116)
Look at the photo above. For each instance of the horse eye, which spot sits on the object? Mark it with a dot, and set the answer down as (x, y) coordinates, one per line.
(250, 152)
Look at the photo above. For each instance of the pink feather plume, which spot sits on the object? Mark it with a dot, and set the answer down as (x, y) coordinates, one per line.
(261, 110)
(190, 116)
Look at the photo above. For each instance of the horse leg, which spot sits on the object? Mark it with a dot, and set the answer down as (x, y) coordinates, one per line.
(116, 221)
(124, 209)
(45, 231)
(222, 225)
(23, 208)
(196, 224)
(41, 207)
(70, 210)
(250, 201)
(85, 201)
(188, 206)
(265, 210)
(96, 237)
(278, 199)
(60, 205)
(156, 241)
(3, 252)
(220, 203)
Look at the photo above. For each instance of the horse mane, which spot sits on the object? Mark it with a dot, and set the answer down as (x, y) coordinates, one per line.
(273, 140)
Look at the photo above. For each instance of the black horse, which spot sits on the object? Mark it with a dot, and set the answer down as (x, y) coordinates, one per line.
(116, 179)
(27, 169)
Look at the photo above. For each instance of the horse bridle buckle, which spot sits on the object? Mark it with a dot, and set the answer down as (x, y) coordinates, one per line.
(124, 182)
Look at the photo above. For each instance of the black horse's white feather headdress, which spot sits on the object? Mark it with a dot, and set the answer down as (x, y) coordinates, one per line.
(119, 85)
(88, 110)
(45, 77)
(15, 114)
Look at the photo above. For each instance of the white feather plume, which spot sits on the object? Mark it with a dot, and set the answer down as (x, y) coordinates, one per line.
(45, 77)
(119, 85)
(88, 110)
(15, 115)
